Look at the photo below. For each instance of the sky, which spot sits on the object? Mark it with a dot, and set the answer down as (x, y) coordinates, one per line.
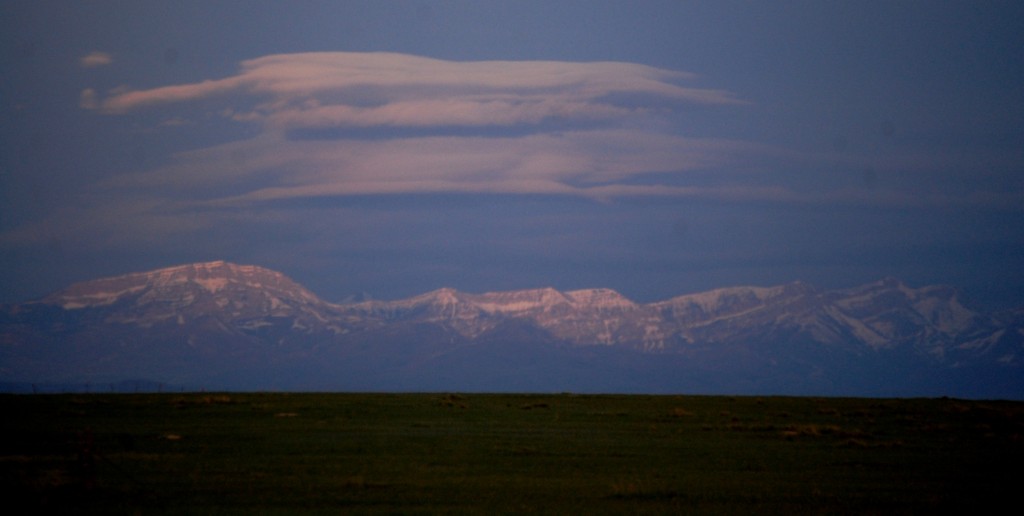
(390, 148)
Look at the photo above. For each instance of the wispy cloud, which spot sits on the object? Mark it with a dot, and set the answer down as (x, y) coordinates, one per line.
(95, 59)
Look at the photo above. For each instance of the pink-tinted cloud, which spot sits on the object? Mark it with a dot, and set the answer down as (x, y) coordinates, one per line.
(123, 100)
(368, 89)
(95, 59)
(573, 126)
(591, 163)
(618, 140)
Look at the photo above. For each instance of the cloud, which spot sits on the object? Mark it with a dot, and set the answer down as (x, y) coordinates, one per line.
(350, 124)
(366, 89)
(95, 59)
(342, 123)
(591, 163)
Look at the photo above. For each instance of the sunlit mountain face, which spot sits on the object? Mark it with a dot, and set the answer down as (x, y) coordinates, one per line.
(219, 325)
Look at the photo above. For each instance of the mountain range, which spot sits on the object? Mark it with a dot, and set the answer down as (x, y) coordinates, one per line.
(219, 325)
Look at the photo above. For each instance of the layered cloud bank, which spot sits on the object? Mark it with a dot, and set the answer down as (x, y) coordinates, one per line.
(363, 89)
(331, 125)
(380, 123)
(342, 123)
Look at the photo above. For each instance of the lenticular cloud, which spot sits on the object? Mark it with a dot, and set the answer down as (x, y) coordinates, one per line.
(344, 123)
(385, 89)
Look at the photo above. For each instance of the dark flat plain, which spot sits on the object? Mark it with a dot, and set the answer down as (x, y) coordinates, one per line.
(270, 453)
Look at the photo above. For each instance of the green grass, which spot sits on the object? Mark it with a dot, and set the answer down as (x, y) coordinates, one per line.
(444, 453)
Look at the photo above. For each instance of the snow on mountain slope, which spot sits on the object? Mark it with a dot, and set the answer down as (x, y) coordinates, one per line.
(213, 277)
(250, 300)
(245, 296)
(592, 316)
(246, 320)
(523, 301)
(878, 315)
(928, 318)
(705, 307)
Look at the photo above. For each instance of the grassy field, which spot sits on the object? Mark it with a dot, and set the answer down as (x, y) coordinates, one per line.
(479, 453)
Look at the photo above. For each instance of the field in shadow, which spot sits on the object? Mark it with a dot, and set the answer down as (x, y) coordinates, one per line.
(499, 453)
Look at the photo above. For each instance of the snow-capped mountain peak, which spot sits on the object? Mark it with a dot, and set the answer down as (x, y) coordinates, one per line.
(218, 289)
(211, 277)
(229, 311)
(600, 298)
(521, 301)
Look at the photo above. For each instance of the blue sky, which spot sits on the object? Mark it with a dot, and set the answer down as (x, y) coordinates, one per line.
(657, 148)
